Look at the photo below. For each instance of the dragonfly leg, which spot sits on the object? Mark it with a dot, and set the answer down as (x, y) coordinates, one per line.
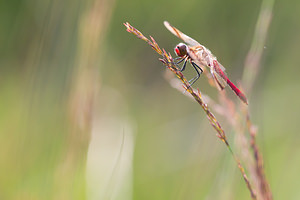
(185, 59)
(197, 68)
(180, 59)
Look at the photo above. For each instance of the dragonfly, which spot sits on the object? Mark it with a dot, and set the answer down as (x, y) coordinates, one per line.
(199, 56)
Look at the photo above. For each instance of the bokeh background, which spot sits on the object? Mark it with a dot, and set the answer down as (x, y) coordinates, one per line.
(85, 111)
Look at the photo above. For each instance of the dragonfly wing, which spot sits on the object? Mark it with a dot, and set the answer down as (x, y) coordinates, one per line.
(219, 75)
(222, 68)
(190, 41)
(221, 83)
(222, 80)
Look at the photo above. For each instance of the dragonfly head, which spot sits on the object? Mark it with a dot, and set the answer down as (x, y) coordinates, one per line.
(181, 50)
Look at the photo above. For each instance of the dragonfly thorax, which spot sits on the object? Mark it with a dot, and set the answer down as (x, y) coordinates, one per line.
(181, 50)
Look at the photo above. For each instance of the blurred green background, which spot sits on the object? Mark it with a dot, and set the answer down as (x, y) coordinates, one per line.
(85, 111)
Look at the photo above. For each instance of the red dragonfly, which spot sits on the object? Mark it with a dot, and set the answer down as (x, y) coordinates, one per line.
(199, 56)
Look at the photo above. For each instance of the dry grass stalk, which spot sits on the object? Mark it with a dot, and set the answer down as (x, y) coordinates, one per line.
(252, 68)
(94, 19)
(168, 61)
(237, 117)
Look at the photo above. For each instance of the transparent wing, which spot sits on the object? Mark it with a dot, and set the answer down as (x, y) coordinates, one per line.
(190, 41)
(222, 80)
(219, 75)
(222, 68)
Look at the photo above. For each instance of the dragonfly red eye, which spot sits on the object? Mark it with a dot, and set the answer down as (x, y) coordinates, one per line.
(181, 50)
